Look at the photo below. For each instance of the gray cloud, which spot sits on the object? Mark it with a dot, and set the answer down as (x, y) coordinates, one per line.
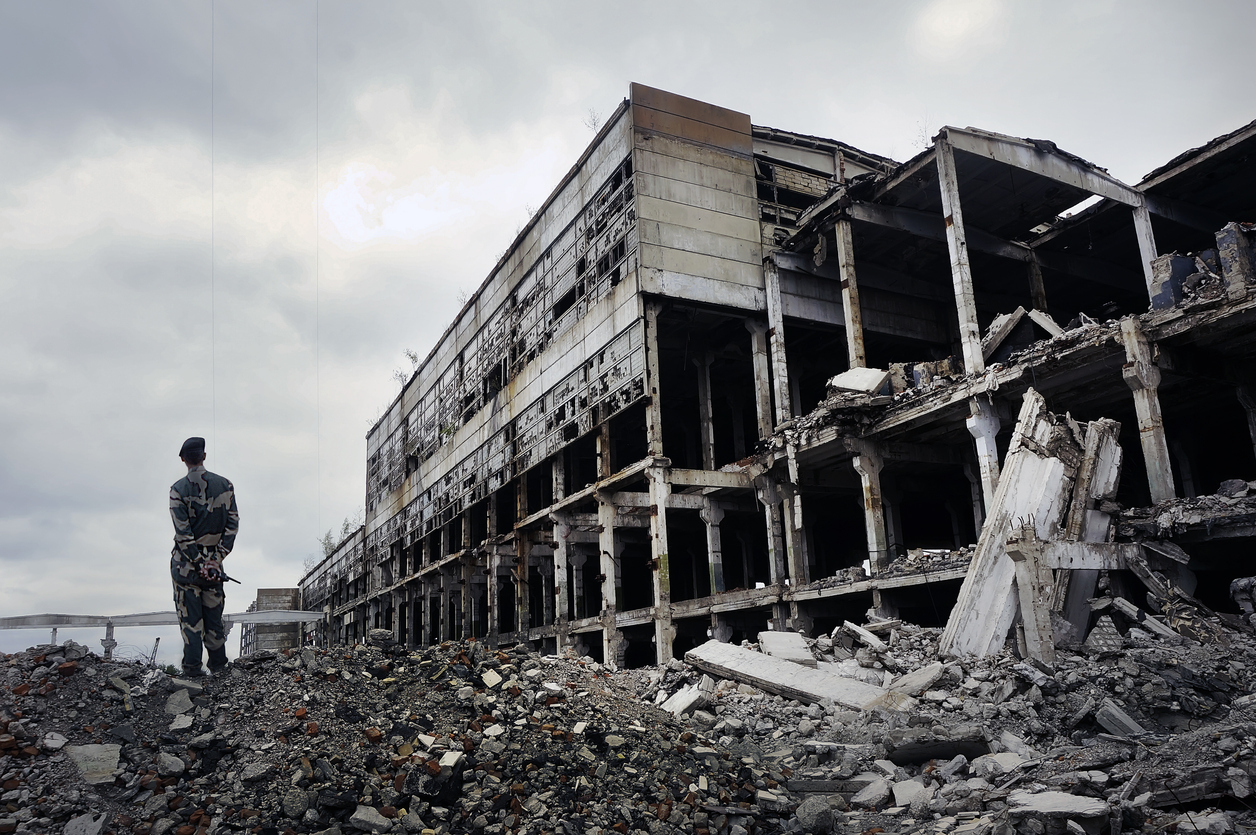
(467, 111)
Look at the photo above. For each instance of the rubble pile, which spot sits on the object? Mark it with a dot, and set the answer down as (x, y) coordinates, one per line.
(1233, 505)
(1131, 731)
(457, 738)
(919, 560)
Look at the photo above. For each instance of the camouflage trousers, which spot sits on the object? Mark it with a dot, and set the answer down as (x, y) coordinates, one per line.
(200, 622)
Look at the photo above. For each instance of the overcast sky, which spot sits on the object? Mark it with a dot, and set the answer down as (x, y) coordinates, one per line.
(229, 220)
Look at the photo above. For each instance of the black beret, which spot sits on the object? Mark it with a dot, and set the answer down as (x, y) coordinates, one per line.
(192, 446)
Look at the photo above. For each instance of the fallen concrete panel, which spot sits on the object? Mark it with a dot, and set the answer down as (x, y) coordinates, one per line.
(789, 646)
(1055, 805)
(783, 678)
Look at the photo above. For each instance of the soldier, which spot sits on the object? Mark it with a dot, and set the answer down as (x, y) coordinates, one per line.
(203, 509)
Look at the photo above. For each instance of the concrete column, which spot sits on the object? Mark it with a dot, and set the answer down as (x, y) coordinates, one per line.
(892, 502)
(545, 569)
(770, 498)
(664, 632)
(491, 514)
(523, 599)
(603, 440)
(558, 470)
(1037, 289)
(611, 640)
(791, 508)
(1146, 243)
(712, 514)
(562, 557)
(983, 424)
(1235, 255)
(653, 408)
(467, 568)
(979, 505)
(721, 629)
(576, 559)
(706, 423)
(776, 337)
(868, 463)
(1143, 378)
(494, 622)
(850, 295)
(961, 271)
(108, 642)
(446, 628)
(762, 378)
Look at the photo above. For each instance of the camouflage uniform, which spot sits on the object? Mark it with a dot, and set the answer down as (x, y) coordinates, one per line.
(203, 509)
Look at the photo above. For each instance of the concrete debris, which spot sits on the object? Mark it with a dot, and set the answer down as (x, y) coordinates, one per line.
(780, 677)
(865, 380)
(1116, 721)
(1054, 472)
(789, 646)
(1016, 330)
(391, 748)
(1053, 804)
(1104, 637)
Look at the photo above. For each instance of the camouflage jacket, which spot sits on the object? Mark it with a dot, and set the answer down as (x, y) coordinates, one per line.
(203, 509)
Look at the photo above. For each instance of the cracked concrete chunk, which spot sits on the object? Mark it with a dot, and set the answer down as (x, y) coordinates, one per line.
(178, 702)
(685, 700)
(919, 680)
(195, 688)
(905, 791)
(815, 815)
(95, 762)
(872, 795)
(993, 766)
(368, 819)
(53, 741)
(1116, 721)
(254, 771)
(168, 765)
(88, 824)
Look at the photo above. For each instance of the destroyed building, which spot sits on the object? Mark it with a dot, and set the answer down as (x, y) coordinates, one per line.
(731, 375)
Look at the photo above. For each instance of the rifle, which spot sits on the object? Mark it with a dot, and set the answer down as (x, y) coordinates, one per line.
(213, 574)
(217, 574)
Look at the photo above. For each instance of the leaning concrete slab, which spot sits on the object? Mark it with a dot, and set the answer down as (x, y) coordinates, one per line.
(781, 677)
(789, 646)
(1036, 489)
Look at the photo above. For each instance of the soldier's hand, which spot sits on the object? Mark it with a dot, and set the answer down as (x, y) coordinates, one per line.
(211, 570)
